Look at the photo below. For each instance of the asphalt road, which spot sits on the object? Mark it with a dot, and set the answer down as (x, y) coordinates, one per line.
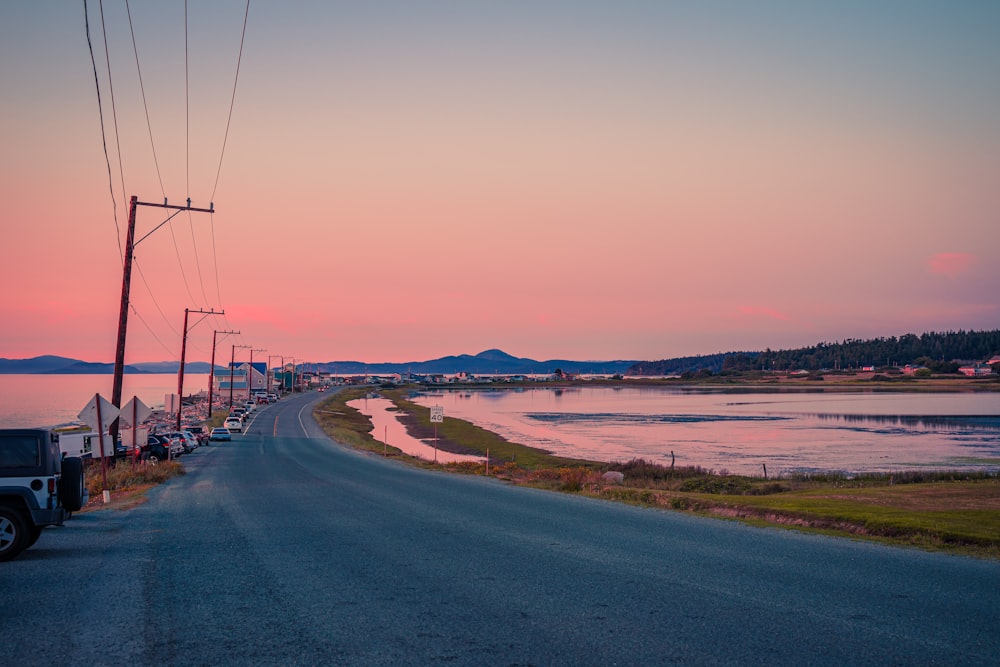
(283, 548)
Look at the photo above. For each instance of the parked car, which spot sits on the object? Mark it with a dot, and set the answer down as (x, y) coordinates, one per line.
(174, 442)
(198, 432)
(157, 449)
(40, 488)
(220, 433)
(233, 424)
(190, 441)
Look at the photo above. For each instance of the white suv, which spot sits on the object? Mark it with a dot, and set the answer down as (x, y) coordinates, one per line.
(38, 487)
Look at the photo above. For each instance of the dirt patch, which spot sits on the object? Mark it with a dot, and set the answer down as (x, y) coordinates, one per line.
(120, 500)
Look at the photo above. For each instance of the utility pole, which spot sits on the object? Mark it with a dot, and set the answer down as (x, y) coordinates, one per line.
(180, 372)
(130, 244)
(250, 373)
(211, 372)
(232, 368)
(269, 371)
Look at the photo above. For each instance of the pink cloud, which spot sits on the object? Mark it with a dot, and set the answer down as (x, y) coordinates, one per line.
(951, 263)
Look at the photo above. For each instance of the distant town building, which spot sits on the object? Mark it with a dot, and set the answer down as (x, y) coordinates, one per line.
(976, 370)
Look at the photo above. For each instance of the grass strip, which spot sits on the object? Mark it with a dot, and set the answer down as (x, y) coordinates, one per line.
(953, 512)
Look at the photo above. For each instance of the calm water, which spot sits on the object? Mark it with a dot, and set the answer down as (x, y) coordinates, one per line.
(47, 400)
(740, 431)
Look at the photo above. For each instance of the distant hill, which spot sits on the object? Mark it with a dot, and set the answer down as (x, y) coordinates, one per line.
(53, 365)
(490, 361)
(35, 365)
(941, 352)
(487, 362)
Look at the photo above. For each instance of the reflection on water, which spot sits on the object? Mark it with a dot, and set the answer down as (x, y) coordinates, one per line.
(807, 431)
(388, 429)
(607, 417)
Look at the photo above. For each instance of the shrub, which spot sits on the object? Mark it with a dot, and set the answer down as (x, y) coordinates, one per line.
(126, 476)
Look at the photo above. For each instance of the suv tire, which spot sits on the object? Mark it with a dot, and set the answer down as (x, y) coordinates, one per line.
(71, 485)
(13, 533)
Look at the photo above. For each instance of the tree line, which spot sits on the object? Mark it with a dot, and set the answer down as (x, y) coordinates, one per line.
(941, 352)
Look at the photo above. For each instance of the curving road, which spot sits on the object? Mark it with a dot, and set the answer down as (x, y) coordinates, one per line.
(284, 548)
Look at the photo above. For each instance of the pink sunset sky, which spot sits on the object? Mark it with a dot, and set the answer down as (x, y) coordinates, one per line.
(577, 180)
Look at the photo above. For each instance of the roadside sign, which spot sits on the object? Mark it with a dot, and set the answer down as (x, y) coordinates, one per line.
(89, 413)
(133, 409)
(129, 437)
(437, 414)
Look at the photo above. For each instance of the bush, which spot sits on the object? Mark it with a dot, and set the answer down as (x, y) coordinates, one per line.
(126, 476)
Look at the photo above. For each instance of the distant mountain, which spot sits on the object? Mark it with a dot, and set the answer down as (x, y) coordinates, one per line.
(174, 366)
(34, 365)
(52, 365)
(487, 362)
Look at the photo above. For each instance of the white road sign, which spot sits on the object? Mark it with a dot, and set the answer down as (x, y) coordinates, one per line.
(89, 413)
(437, 414)
(134, 408)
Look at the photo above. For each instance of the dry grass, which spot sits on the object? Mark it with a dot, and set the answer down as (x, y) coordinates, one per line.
(127, 482)
(954, 512)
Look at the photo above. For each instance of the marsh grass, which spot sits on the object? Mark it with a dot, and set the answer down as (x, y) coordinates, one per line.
(953, 511)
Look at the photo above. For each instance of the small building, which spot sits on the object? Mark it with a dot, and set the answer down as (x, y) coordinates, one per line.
(236, 377)
(976, 370)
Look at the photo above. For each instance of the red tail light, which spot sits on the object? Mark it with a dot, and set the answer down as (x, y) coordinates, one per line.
(52, 486)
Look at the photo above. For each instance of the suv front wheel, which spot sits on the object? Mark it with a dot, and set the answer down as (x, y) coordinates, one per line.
(13, 533)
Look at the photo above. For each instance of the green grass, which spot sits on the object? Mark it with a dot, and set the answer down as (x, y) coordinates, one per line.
(950, 511)
(463, 437)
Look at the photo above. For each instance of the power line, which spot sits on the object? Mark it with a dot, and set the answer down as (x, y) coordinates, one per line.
(104, 141)
(187, 110)
(145, 106)
(150, 329)
(151, 296)
(180, 263)
(232, 101)
(197, 260)
(114, 117)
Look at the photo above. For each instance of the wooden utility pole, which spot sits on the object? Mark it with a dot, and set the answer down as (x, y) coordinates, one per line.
(130, 243)
(232, 367)
(180, 371)
(250, 373)
(211, 372)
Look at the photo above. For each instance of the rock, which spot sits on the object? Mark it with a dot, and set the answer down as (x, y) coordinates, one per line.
(613, 476)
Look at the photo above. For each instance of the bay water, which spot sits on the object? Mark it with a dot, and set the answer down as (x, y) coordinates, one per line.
(744, 430)
(29, 401)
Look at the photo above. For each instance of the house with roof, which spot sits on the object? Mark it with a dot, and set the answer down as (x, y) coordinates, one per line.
(243, 379)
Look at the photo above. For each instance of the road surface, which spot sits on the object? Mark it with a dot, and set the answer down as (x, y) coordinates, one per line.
(283, 548)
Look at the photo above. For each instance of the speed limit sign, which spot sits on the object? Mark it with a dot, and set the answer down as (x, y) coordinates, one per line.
(437, 414)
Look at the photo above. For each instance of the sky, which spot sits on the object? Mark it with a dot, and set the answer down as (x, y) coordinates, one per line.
(402, 181)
